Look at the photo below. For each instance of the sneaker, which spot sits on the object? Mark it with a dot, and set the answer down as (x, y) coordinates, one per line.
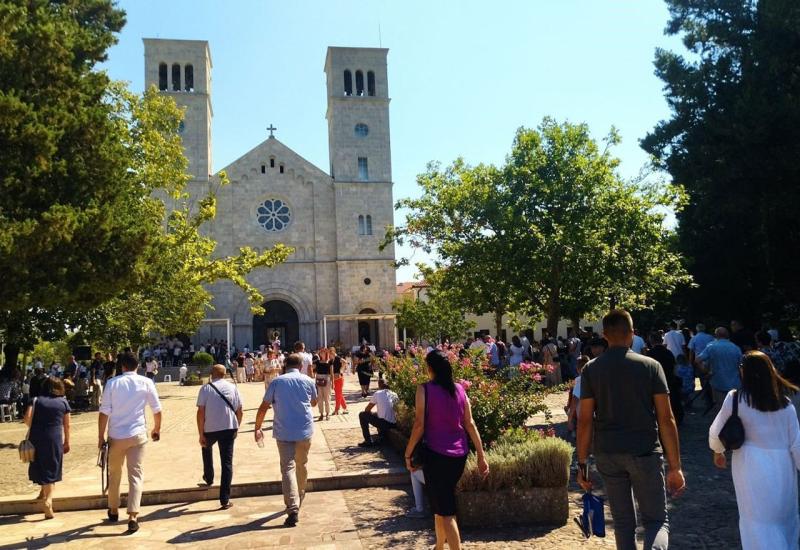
(291, 520)
(133, 526)
(416, 514)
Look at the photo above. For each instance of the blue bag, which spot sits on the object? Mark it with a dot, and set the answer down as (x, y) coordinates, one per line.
(593, 519)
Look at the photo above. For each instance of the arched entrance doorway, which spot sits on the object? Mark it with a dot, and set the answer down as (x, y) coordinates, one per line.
(280, 319)
(368, 329)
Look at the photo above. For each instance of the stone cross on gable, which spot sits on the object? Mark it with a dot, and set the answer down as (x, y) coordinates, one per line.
(271, 129)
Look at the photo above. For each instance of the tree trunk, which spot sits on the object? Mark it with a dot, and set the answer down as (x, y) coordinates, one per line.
(11, 352)
(576, 325)
(553, 314)
(498, 321)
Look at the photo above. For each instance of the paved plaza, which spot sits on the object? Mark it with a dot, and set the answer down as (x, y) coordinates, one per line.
(371, 517)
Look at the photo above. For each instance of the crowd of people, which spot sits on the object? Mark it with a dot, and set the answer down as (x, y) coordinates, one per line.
(626, 400)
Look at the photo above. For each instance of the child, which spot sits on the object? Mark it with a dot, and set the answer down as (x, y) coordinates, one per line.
(575, 397)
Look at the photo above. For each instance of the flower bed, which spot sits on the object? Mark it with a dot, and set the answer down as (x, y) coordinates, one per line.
(529, 469)
(498, 402)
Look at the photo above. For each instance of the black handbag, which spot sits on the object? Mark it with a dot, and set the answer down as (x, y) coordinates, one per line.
(732, 433)
(420, 454)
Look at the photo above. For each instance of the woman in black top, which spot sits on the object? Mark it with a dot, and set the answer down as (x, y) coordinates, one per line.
(48, 418)
(324, 381)
(364, 369)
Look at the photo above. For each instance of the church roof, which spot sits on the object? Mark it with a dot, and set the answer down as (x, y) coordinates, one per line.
(273, 147)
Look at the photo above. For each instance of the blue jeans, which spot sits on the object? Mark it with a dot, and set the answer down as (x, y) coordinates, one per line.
(642, 477)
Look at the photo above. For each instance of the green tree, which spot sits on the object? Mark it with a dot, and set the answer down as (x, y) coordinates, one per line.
(433, 316)
(556, 232)
(733, 141)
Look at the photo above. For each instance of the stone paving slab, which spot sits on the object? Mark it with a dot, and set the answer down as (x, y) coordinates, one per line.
(251, 523)
(175, 461)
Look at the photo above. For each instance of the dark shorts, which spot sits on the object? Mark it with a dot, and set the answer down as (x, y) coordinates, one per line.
(441, 477)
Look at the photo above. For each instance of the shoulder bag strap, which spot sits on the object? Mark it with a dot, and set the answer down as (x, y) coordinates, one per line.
(425, 425)
(33, 411)
(222, 395)
(735, 403)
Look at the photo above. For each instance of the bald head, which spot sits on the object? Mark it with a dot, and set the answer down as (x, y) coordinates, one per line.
(721, 332)
(218, 371)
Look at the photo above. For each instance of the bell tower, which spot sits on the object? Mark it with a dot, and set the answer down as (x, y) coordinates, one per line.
(182, 70)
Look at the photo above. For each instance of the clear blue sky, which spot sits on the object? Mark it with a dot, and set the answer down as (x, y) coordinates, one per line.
(463, 75)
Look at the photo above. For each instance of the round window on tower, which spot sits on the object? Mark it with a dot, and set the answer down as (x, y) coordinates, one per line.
(361, 130)
(367, 281)
(273, 215)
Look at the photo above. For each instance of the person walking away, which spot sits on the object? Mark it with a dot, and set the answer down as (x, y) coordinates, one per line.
(574, 403)
(339, 367)
(37, 383)
(219, 415)
(698, 342)
(674, 340)
(383, 418)
(625, 409)
(306, 358)
(48, 418)
(550, 362)
(660, 353)
(364, 369)
(765, 467)
(183, 372)
(516, 352)
(293, 395)
(249, 367)
(109, 369)
(96, 379)
(324, 381)
(721, 360)
(239, 364)
(122, 413)
(638, 345)
(742, 336)
(573, 352)
(445, 427)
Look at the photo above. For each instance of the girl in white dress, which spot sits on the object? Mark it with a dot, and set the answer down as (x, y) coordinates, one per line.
(765, 467)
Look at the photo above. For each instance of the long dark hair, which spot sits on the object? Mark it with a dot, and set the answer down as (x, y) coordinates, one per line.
(762, 387)
(442, 370)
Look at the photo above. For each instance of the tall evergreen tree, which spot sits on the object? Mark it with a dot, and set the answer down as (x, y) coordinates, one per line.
(733, 142)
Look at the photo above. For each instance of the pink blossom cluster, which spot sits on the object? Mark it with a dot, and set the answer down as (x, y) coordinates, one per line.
(466, 384)
(549, 432)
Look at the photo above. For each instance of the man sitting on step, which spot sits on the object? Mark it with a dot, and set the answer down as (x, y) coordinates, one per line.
(383, 400)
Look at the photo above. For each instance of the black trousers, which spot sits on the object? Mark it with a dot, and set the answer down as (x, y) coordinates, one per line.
(368, 418)
(224, 440)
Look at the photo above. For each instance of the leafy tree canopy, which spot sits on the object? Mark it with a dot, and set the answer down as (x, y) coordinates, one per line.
(555, 232)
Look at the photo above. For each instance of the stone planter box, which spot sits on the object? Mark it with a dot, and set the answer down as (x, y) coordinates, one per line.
(533, 506)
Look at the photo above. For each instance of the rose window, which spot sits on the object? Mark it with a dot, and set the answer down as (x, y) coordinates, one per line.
(273, 215)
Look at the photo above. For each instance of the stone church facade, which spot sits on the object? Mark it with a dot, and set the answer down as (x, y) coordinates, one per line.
(334, 221)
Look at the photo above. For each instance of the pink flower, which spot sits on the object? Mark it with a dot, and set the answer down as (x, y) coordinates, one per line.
(537, 377)
(466, 384)
(465, 362)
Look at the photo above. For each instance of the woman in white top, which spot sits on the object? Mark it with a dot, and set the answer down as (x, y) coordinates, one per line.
(516, 352)
(765, 467)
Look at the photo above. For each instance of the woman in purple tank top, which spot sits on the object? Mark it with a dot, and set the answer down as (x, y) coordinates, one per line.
(449, 421)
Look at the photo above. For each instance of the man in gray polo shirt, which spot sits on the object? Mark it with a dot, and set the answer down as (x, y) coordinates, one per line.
(219, 415)
(625, 407)
(293, 395)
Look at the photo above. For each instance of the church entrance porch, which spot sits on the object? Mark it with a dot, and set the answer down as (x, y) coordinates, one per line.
(279, 321)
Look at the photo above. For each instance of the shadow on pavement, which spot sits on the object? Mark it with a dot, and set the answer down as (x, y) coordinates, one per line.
(195, 535)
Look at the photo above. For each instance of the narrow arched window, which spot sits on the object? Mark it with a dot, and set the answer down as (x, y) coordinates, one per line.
(280, 168)
(188, 77)
(370, 83)
(362, 228)
(162, 76)
(368, 226)
(176, 77)
(348, 83)
(359, 83)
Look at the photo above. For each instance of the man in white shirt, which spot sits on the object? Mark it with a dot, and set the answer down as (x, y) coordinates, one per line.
(122, 412)
(219, 415)
(383, 400)
(638, 344)
(674, 340)
(526, 345)
(305, 357)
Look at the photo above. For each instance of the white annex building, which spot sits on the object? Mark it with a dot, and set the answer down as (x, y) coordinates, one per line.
(334, 221)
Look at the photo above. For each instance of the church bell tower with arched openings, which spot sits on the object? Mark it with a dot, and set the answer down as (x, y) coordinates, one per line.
(361, 168)
(182, 70)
